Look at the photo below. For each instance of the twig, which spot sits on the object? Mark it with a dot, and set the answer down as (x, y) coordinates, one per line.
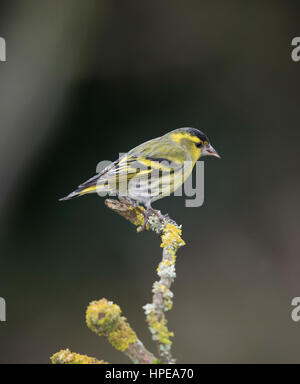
(162, 296)
(104, 318)
(65, 356)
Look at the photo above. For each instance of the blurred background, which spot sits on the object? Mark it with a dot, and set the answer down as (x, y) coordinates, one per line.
(86, 80)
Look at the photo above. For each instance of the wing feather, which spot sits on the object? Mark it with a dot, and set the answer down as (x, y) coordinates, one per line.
(160, 153)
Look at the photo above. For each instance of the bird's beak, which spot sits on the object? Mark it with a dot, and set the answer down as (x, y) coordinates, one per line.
(210, 151)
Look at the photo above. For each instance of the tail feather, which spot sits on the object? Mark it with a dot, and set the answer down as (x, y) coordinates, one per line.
(79, 192)
(70, 196)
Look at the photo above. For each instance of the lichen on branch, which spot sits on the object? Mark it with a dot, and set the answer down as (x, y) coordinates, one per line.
(162, 296)
(104, 318)
(65, 356)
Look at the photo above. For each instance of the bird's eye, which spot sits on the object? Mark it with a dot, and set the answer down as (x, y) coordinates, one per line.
(199, 145)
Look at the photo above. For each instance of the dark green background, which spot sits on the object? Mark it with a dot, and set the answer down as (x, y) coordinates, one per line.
(85, 80)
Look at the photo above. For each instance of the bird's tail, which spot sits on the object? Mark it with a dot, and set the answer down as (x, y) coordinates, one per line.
(80, 191)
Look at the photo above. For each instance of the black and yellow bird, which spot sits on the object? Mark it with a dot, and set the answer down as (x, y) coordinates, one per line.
(151, 170)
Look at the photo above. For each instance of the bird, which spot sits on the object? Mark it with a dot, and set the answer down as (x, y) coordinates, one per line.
(152, 170)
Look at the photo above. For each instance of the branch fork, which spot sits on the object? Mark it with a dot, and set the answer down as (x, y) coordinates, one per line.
(104, 317)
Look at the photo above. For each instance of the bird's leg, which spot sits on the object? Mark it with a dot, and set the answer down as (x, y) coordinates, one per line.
(151, 211)
(134, 203)
(157, 213)
(146, 214)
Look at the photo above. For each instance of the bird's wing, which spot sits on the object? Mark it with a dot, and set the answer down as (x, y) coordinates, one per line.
(160, 153)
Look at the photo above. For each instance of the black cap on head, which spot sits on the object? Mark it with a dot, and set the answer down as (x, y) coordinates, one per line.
(196, 132)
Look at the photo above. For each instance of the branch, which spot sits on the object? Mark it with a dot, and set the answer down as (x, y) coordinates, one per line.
(126, 210)
(162, 296)
(104, 318)
(65, 356)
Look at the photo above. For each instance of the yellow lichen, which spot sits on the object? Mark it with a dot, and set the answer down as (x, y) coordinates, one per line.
(169, 304)
(140, 218)
(166, 263)
(122, 337)
(104, 318)
(172, 236)
(65, 356)
(160, 328)
(171, 241)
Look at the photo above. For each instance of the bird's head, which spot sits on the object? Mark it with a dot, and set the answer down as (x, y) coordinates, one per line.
(195, 142)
